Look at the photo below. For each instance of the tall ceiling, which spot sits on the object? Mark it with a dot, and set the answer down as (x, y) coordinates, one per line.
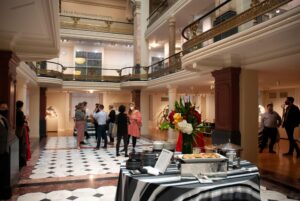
(30, 28)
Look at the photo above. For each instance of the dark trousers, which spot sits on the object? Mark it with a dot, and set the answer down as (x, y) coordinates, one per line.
(293, 143)
(5, 189)
(269, 133)
(133, 140)
(125, 141)
(110, 127)
(101, 132)
(96, 130)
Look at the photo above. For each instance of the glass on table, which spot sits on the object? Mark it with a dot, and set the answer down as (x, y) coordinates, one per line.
(196, 150)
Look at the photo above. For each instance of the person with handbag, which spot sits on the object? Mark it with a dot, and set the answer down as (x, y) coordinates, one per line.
(110, 123)
(122, 122)
(270, 121)
(79, 123)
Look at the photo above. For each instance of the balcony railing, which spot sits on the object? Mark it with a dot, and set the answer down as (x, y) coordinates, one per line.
(164, 67)
(161, 9)
(97, 25)
(230, 18)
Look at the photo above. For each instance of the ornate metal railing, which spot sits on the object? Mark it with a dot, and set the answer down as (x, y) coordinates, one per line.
(97, 25)
(164, 67)
(227, 20)
(159, 10)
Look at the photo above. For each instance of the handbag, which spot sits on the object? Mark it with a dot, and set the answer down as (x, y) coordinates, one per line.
(114, 130)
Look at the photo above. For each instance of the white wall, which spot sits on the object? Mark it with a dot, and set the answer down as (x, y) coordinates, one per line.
(116, 58)
(116, 98)
(113, 57)
(60, 101)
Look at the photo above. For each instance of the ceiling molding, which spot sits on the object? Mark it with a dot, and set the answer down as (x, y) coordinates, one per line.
(93, 3)
(90, 35)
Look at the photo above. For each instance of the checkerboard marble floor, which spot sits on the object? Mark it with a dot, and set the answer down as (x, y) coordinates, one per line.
(61, 159)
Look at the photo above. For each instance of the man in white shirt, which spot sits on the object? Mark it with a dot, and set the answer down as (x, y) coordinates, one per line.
(101, 118)
(270, 121)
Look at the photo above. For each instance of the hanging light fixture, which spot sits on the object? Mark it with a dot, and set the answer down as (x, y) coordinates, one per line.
(79, 60)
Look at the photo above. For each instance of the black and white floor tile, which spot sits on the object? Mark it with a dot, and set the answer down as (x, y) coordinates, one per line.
(57, 162)
(106, 193)
(61, 159)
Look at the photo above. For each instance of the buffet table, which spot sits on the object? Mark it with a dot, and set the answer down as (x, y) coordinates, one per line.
(240, 184)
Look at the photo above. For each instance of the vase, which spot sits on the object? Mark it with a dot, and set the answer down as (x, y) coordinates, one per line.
(187, 144)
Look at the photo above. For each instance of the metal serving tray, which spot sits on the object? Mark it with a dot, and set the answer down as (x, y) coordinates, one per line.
(202, 160)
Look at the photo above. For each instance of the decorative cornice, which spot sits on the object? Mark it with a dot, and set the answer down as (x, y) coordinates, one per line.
(80, 34)
(91, 3)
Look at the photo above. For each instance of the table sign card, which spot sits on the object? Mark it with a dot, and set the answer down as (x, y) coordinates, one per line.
(163, 161)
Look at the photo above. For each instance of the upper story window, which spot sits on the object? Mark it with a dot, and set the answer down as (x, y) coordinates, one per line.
(85, 59)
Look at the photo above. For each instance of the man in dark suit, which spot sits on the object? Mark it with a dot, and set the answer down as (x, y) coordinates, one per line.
(291, 120)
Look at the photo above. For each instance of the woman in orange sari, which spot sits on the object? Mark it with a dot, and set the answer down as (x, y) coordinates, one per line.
(134, 128)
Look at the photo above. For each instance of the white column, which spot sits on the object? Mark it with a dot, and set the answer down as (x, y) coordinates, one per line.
(249, 114)
(34, 112)
(172, 92)
(141, 51)
(145, 112)
(21, 94)
(207, 25)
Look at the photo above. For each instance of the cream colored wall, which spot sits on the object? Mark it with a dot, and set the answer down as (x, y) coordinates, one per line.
(112, 57)
(111, 98)
(117, 58)
(157, 108)
(60, 101)
(34, 111)
(295, 92)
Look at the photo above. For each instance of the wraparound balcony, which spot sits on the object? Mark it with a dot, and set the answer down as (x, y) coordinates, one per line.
(242, 34)
(135, 74)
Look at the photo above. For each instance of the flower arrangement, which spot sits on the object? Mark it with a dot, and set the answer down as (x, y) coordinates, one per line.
(187, 120)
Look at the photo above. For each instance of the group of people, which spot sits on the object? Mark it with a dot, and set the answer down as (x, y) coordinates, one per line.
(125, 124)
(22, 132)
(271, 121)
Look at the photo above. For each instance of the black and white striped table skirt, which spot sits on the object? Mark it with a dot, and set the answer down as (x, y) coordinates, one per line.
(243, 184)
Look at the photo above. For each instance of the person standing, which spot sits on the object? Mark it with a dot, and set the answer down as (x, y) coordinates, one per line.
(5, 190)
(270, 121)
(101, 118)
(122, 122)
(79, 123)
(291, 120)
(135, 119)
(110, 123)
(21, 133)
(95, 121)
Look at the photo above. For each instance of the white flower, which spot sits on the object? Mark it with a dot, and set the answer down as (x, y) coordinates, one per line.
(185, 127)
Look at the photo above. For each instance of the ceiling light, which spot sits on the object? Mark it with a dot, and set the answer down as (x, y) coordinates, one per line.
(277, 11)
(154, 45)
(91, 91)
(80, 60)
(194, 65)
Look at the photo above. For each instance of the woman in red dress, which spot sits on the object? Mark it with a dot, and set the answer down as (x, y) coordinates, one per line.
(134, 128)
